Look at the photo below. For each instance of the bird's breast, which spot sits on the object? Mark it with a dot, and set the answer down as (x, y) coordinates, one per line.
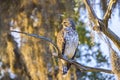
(72, 40)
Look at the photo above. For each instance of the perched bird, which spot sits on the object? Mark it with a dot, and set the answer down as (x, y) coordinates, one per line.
(67, 42)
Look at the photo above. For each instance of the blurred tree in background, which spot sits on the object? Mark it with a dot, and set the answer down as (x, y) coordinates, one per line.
(30, 58)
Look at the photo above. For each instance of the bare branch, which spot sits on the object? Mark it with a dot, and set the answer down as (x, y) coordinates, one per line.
(112, 36)
(40, 37)
(78, 65)
(93, 17)
(86, 68)
(108, 12)
(107, 32)
(109, 9)
(91, 12)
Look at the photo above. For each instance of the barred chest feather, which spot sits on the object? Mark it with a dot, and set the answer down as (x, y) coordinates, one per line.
(72, 40)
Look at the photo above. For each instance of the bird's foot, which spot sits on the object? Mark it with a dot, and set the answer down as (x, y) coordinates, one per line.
(65, 69)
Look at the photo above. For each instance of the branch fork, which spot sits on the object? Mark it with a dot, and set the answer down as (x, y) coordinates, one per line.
(102, 25)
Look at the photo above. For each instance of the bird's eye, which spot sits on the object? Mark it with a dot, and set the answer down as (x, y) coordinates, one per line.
(64, 22)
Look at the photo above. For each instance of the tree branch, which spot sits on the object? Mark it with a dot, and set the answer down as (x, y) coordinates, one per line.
(78, 65)
(109, 9)
(86, 68)
(91, 12)
(40, 37)
(110, 34)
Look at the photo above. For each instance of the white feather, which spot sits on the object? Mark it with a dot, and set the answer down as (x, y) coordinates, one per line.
(72, 40)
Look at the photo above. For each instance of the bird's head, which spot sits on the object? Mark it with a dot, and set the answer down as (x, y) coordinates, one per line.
(68, 23)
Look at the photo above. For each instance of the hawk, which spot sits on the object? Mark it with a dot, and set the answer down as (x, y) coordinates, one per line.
(67, 42)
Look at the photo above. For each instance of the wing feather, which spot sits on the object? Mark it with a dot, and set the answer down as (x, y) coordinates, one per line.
(61, 41)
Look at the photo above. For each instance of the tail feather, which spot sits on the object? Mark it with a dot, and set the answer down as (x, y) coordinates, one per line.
(66, 68)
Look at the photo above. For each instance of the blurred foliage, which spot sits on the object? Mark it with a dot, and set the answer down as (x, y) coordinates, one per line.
(30, 58)
(82, 31)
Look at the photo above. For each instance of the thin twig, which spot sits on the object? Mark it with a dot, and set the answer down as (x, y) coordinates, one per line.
(78, 65)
